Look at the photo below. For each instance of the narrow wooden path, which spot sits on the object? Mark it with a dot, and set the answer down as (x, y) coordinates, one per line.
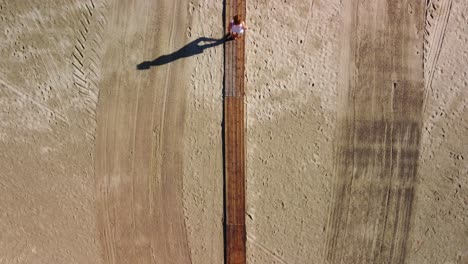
(234, 140)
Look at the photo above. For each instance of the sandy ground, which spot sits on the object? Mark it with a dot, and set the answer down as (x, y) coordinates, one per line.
(47, 204)
(104, 163)
(291, 119)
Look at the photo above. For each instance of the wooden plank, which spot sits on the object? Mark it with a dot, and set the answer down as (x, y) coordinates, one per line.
(234, 122)
(235, 179)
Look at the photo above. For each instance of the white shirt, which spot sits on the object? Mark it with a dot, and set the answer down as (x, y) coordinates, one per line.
(239, 29)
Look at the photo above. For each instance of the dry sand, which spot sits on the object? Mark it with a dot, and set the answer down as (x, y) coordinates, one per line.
(103, 163)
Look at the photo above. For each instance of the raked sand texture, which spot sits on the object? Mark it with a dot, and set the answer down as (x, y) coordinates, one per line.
(154, 204)
(102, 163)
(139, 144)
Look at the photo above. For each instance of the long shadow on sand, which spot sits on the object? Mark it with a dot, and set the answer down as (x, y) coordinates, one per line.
(193, 48)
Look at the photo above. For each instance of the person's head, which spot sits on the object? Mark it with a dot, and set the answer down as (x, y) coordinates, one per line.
(237, 20)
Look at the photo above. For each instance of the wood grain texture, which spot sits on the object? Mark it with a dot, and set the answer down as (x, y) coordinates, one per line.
(234, 135)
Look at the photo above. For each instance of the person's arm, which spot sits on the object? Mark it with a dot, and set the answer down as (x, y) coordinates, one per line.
(230, 26)
(244, 25)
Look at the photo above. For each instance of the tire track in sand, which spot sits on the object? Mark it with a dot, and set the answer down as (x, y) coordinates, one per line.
(378, 132)
(138, 148)
(87, 56)
(437, 16)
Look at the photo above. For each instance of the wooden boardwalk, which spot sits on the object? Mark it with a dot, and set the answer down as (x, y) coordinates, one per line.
(234, 140)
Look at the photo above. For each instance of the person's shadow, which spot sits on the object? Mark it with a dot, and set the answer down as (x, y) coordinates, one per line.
(191, 49)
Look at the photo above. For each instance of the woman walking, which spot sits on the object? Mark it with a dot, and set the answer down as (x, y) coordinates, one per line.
(236, 27)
